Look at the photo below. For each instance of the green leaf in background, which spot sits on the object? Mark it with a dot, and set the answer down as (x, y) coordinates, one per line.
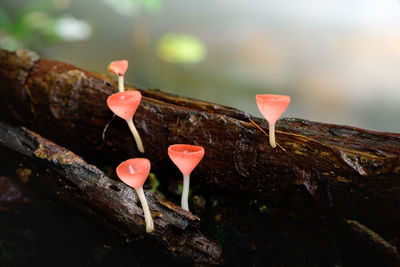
(153, 6)
(181, 48)
(39, 21)
(9, 42)
(5, 22)
(131, 7)
(30, 22)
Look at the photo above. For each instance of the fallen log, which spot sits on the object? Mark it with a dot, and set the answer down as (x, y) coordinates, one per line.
(58, 172)
(381, 252)
(350, 172)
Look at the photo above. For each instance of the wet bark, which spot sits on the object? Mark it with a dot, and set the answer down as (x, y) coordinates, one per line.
(58, 172)
(348, 172)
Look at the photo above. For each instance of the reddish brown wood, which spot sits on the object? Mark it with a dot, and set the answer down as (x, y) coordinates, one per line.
(349, 172)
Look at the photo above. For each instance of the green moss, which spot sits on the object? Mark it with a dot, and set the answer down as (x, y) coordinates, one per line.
(263, 209)
(180, 188)
(154, 183)
(5, 256)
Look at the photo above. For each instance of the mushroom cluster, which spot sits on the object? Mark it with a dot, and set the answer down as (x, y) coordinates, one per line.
(135, 171)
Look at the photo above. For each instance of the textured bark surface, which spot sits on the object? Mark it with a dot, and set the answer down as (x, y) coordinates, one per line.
(57, 171)
(349, 173)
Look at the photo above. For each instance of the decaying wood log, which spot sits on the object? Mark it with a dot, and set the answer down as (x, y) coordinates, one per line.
(370, 242)
(59, 172)
(350, 172)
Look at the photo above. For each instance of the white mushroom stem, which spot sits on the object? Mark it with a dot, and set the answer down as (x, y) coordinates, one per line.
(272, 135)
(185, 192)
(121, 86)
(136, 135)
(147, 215)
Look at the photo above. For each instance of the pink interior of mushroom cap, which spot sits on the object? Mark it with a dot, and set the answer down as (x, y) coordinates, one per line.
(272, 106)
(118, 67)
(134, 172)
(124, 104)
(186, 157)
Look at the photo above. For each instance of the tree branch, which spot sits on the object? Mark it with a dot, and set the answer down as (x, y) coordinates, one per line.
(58, 172)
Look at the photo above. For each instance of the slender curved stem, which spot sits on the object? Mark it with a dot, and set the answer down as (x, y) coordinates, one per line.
(121, 86)
(136, 135)
(106, 128)
(146, 210)
(185, 192)
(272, 135)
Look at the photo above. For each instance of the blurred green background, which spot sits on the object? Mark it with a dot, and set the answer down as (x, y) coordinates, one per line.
(338, 60)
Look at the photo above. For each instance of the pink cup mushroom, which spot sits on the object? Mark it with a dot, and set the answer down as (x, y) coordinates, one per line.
(124, 105)
(186, 158)
(272, 107)
(119, 68)
(134, 172)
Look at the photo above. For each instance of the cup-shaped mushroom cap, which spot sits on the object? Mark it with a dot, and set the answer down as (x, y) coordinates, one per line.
(186, 157)
(124, 104)
(118, 67)
(272, 106)
(134, 172)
